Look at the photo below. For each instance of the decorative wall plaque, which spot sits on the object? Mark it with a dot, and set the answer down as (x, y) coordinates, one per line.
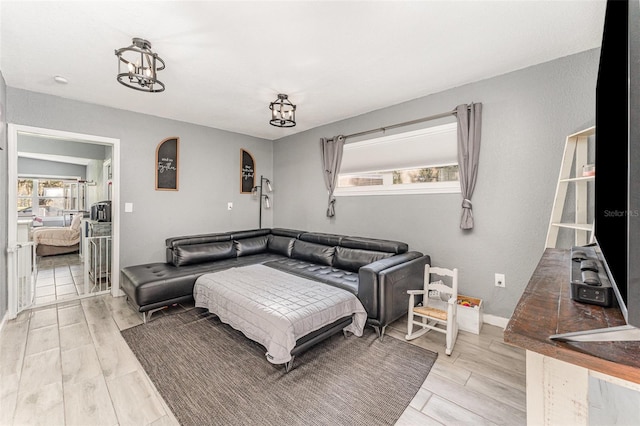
(167, 164)
(247, 172)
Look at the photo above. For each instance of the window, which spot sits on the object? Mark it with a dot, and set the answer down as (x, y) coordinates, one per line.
(43, 197)
(417, 162)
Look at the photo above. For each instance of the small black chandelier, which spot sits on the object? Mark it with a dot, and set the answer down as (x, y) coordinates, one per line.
(141, 67)
(283, 112)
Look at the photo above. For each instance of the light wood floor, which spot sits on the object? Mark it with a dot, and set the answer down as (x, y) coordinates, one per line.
(67, 364)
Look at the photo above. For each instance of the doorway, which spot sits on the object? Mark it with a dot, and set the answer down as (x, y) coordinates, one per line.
(15, 281)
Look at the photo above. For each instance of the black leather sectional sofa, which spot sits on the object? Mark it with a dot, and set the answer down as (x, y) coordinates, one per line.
(378, 272)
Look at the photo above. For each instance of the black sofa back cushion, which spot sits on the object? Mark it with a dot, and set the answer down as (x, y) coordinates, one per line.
(201, 253)
(239, 235)
(283, 232)
(248, 246)
(352, 259)
(280, 245)
(320, 238)
(196, 239)
(311, 252)
(387, 246)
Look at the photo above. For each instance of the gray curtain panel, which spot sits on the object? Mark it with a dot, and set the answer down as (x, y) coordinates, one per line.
(331, 150)
(469, 125)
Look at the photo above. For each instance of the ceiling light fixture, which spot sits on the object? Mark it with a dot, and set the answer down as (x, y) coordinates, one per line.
(283, 112)
(141, 67)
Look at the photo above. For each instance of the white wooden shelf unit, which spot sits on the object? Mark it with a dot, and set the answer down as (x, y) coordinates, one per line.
(576, 155)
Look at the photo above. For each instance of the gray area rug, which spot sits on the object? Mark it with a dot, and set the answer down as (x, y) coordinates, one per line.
(210, 374)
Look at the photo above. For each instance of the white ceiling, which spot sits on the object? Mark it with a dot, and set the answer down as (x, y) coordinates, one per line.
(226, 60)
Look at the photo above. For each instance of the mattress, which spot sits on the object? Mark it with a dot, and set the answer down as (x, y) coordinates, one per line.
(64, 237)
(275, 308)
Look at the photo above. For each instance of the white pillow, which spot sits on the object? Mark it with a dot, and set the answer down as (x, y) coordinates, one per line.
(75, 224)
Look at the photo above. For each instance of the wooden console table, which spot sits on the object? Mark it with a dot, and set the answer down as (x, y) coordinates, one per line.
(559, 374)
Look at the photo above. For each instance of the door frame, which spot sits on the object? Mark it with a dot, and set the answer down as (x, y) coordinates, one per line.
(12, 197)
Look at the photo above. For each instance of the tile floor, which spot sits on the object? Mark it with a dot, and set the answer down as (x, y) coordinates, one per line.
(61, 278)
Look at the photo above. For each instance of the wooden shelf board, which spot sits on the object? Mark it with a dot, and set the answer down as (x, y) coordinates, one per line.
(578, 226)
(579, 179)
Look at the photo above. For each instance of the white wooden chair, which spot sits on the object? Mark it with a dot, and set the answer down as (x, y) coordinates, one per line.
(439, 306)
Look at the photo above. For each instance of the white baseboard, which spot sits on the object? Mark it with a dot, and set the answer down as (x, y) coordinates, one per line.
(495, 320)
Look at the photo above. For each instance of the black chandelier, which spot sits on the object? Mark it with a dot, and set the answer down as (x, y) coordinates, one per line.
(283, 112)
(141, 67)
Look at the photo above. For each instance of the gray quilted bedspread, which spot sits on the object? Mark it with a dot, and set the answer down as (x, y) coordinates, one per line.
(274, 308)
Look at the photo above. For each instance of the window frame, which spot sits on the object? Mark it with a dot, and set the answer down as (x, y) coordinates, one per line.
(35, 197)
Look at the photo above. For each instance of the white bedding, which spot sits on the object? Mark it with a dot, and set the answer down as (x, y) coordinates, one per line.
(275, 308)
(53, 236)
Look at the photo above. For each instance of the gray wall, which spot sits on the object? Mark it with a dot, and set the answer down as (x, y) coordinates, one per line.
(527, 116)
(209, 174)
(33, 167)
(3, 197)
(95, 192)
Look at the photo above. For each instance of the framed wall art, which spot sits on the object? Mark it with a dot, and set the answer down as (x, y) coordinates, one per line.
(167, 164)
(247, 172)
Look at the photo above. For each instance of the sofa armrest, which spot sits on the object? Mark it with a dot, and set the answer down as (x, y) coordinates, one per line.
(368, 280)
(394, 283)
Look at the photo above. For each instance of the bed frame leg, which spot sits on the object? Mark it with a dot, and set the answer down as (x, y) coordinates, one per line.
(288, 365)
(345, 332)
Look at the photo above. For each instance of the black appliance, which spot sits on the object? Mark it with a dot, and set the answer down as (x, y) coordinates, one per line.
(101, 211)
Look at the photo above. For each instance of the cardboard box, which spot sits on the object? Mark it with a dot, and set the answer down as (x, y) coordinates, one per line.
(469, 317)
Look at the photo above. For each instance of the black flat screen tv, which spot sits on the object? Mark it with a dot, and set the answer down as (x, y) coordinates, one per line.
(617, 159)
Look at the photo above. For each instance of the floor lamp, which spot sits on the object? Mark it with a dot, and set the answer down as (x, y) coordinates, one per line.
(263, 198)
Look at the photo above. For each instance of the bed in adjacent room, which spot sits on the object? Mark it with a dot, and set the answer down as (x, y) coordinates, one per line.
(51, 240)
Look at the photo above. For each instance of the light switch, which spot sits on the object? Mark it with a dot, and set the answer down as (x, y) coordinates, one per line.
(229, 206)
(128, 207)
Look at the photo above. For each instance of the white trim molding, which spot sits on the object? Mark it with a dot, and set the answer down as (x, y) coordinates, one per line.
(495, 320)
(12, 174)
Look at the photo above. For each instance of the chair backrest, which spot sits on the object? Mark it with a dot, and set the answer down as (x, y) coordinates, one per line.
(439, 285)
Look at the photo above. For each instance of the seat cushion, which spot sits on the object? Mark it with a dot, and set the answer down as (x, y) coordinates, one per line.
(325, 274)
(157, 284)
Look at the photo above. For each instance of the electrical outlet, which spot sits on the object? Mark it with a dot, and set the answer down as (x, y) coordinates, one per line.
(500, 281)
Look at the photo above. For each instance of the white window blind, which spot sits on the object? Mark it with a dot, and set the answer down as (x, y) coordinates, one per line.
(416, 162)
(435, 146)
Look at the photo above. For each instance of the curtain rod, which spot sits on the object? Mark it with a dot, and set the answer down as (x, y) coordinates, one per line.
(406, 123)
